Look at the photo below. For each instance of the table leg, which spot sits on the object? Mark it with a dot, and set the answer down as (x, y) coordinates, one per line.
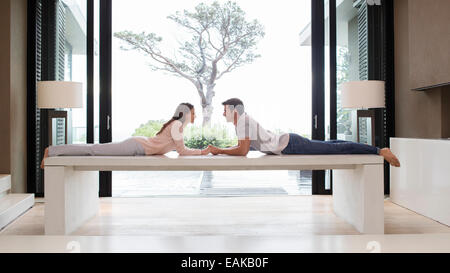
(358, 197)
(71, 198)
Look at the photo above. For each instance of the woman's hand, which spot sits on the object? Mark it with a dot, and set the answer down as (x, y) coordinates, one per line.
(214, 150)
(206, 151)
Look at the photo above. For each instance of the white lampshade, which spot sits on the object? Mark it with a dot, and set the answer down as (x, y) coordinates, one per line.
(55, 94)
(362, 94)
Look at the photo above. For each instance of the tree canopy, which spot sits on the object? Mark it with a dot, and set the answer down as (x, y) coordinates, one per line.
(221, 40)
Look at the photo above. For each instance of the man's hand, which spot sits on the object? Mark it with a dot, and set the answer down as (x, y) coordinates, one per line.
(214, 150)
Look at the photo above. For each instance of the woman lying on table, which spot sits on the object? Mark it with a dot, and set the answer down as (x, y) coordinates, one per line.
(169, 138)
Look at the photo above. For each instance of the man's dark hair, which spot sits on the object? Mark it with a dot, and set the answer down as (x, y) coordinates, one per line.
(236, 104)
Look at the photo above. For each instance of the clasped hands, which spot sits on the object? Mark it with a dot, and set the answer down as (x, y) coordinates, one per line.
(211, 149)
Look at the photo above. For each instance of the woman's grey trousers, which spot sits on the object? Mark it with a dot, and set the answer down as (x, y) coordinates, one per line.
(127, 147)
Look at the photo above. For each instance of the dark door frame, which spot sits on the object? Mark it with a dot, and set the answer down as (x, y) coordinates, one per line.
(318, 84)
(381, 66)
(318, 81)
(39, 20)
(105, 106)
(33, 157)
(90, 71)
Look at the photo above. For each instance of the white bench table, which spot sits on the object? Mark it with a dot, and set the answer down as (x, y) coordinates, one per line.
(71, 182)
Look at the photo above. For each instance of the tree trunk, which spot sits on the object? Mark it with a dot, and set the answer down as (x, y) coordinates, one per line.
(207, 107)
(207, 113)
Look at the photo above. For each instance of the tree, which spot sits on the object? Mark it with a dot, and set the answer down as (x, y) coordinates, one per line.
(343, 117)
(221, 40)
(149, 129)
(194, 136)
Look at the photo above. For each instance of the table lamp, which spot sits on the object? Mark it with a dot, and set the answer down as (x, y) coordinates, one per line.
(59, 94)
(363, 96)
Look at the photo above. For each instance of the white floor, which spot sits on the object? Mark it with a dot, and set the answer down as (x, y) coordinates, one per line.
(230, 244)
(230, 224)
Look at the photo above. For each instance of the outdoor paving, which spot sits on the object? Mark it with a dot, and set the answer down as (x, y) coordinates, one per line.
(216, 183)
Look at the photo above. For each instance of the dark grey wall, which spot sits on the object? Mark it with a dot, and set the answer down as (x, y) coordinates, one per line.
(5, 78)
(13, 68)
(430, 62)
(418, 114)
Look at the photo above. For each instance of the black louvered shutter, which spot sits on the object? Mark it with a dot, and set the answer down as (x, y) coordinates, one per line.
(38, 153)
(363, 51)
(363, 40)
(50, 66)
(60, 41)
(60, 63)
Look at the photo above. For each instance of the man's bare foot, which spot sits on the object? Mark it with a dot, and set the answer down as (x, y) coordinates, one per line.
(390, 157)
(45, 156)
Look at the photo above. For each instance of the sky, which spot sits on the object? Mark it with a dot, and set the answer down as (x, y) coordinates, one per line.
(276, 88)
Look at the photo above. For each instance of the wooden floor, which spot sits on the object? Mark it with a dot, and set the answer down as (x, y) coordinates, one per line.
(260, 216)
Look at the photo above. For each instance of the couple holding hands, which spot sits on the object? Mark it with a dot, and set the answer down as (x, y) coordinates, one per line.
(249, 132)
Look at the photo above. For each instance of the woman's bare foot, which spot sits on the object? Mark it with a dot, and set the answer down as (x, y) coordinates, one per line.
(45, 156)
(390, 157)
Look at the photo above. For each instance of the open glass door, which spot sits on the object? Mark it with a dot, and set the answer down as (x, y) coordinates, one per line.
(275, 88)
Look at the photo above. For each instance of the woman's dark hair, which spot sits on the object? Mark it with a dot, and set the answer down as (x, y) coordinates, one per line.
(180, 114)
